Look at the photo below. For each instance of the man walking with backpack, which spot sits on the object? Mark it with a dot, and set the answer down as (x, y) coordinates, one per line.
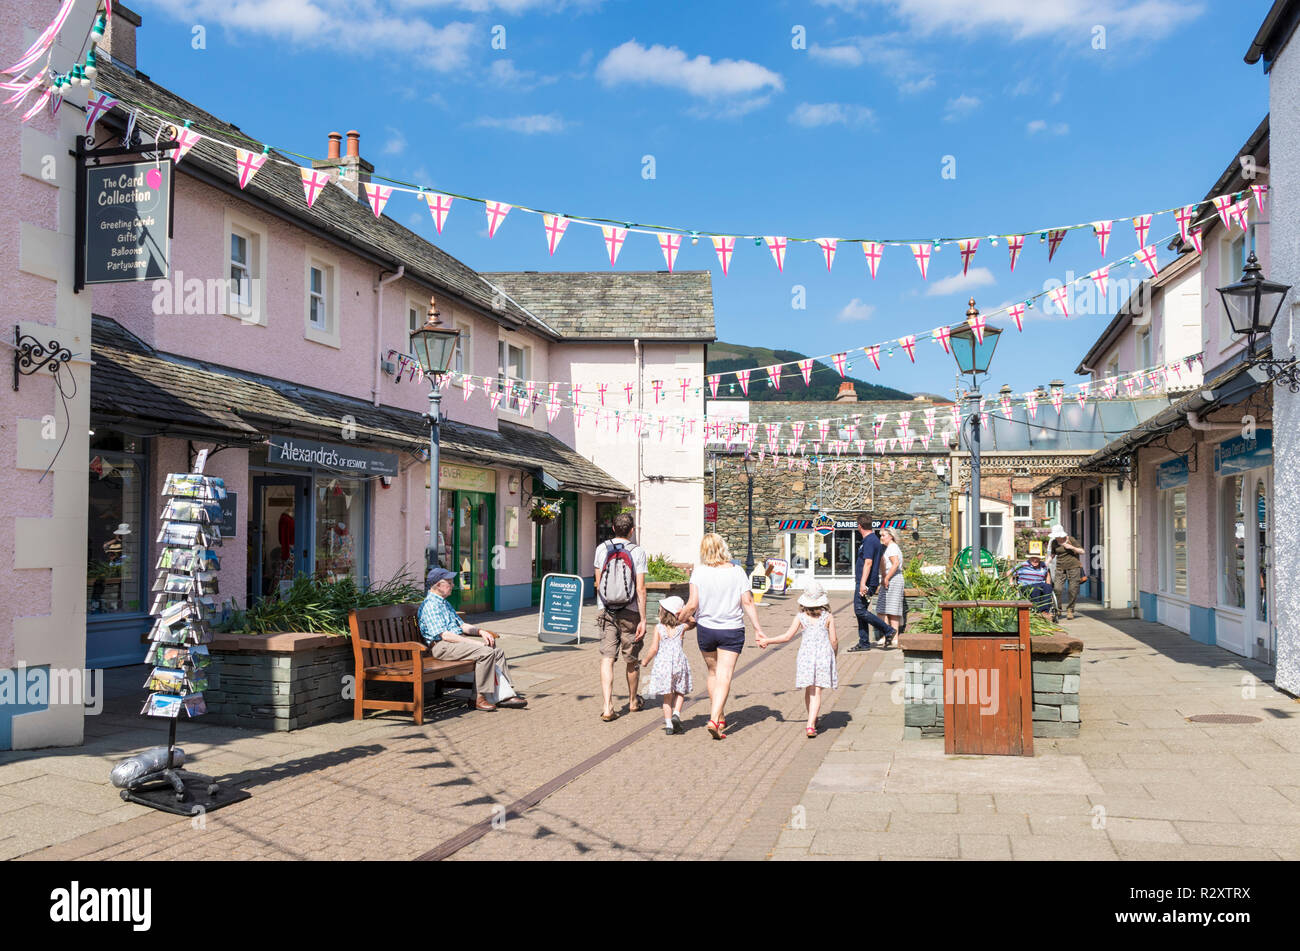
(620, 594)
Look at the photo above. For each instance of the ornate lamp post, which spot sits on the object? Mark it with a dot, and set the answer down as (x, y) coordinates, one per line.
(973, 352)
(749, 486)
(434, 346)
(1252, 305)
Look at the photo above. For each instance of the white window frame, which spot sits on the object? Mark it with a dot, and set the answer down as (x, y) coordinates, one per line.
(1143, 351)
(1227, 520)
(421, 313)
(1028, 505)
(1230, 269)
(503, 361)
(462, 360)
(258, 243)
(329, 335)
(1167, 583)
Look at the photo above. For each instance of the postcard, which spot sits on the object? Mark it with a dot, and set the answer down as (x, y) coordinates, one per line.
(162, 705)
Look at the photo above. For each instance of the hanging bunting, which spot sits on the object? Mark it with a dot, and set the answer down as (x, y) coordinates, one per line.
(1258, 192)
(806, 368)
(877, 423)
(554, 226)
(840, 360)
(828, 250)
(530, 390)
(823, 426)
(97, 105)
(1185, 217)
(724, 246)
(1054, 239)
(1142, 227)
(1100, 277)
(714, 380)
(467, 388)
(313, 183)
(1060, 297)
(1017, 313)
(186, 139)
(1082, 395)
(1015, 244)
(602, 388)
(1240, 212)
(943, 335)
(669, 244)
(929, 420)
(922, 254)
(628, 388)
(1057, 397)
(1148, 257)
(873, 252)
(1198, 240)
(1005, 400)
(977, 325)
(873, 354)
(776, 245)
(798, 429)
(1102, 230)
(908, 343)
(742, 376)
(1221, 205)
(1031, 404)
(614, 238)
(496, 212)
(439, 207)
(377, 196)
(686, 385)
(248, 163)
(774, 376)
(968, 247)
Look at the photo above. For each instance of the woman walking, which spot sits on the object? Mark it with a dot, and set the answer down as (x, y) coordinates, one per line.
(889, 603)
(720, 602)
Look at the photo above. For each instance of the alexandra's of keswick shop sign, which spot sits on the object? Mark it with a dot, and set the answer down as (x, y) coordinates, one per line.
(127, 212)
(352, 460)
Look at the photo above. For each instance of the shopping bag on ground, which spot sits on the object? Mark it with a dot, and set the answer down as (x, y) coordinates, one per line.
(504, 689)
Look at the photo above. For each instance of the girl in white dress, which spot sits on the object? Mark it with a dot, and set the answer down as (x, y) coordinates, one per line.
(671, 677)
(815, 668)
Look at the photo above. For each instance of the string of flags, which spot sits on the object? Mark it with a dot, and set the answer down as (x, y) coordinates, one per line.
(1231, 208)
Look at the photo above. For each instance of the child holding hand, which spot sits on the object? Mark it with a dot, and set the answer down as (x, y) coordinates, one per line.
(815, 668)
(671, 676)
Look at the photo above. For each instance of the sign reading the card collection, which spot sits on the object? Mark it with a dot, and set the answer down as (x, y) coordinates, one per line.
(127, 219)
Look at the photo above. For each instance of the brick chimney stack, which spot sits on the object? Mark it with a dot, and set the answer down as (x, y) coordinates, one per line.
(356, 169)
(119, 38)
(847, 394)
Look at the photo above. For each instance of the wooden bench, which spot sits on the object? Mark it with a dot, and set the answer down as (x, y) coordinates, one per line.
(387, 647)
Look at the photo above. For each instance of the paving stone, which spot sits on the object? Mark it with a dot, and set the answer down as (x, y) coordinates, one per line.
(984, 847)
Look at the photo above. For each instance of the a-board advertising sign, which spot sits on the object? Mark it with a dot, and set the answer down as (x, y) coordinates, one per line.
(559, 617)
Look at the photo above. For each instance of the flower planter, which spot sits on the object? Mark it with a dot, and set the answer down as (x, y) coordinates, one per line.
(279, 681)
(656, 591)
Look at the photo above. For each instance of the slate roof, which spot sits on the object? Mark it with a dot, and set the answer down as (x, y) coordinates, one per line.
(616, 305)
(335, 211)
(171, 394)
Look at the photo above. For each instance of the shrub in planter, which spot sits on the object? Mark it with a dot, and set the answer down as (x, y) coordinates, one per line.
(959, 585)
(319, 607)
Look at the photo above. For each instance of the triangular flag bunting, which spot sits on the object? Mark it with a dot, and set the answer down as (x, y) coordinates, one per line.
(669, 244)
(1240, 212)
(1198, 240)
(1083, 395)
(97, 105)
(1100, 277)
(776, 245)
(714, 380)
(806, 368)
(1015, 244)
(828, 249)
(968, 247)
(840, 360)
(187, 139)
(439, 208)
(742, 376)
(908, 343)
(1148, 257)
(377, 196)
(873, 353)
(1142, 227)
(943, 335)
(1054, 239)
(922, 254)
(1184, 217)
(554, 226)
(614, 238)
(1221, 205)
(1060, 297)
(1102, 230)
(774, 375)
(496, 213)
(873, 252)
(313, 183)
(725, 247)
(1258, 192)
(247, 164)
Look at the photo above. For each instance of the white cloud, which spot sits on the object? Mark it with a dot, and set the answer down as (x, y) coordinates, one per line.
(525, 125)
(960, 107)
(844, 55)
(855, 310)
(396, 143)
(700, 76)
(1038, 126)
(892, 53)
(1026, 19)
(733, 109)
(371, 28)
(810, 115)
(960, 283)
(913, 86)
(504, 72)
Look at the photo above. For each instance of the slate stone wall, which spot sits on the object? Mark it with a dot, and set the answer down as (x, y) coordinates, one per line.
(267, 690)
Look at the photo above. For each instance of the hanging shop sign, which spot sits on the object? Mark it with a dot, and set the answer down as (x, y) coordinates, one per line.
(824, 525)
(229, 515)
(1239, 454)
(126, 222)
(710, 511)
(1172, 474)
(452, 475)
(350, 460)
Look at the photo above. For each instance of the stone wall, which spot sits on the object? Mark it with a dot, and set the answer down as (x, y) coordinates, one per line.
(283, 689)
(1056, 693)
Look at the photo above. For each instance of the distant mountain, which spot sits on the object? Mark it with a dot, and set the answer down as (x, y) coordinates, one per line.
(728, 357)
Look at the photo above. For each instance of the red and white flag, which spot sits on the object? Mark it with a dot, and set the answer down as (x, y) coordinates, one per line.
(1198, 240)
(1222, 204)
(602, 388)
(247, 165)
(908, 343)
(614, 238)
(873, 354)
(1060, 297)
(628, 388)
(496, 213)
(1082, 395)
(1054, 239)
(377, 196)
(1258, 192)
(1142, 227)
(714, 380)
(943, 335)
(313, 183)
(1057, 397)
(774, 375)
(1031, 404)
(977, 325)
(1101, 277)
(828, 249)
(742, 376)
(1005, 400)
(669, 244)
(806, 368)
(1015, 244)
(776, 244)
(840, 360)
(187, 139)
(725, 247)
(1017, 313)
(555, 226)
(1102, 230)
(968, 247)
(1148, 257)
(552, 410)
(797, 429)
(1184, 217)
(439, 208)
(873, 252)
(922, 254)
(1240, 213)
(685, 385)
(98, 105)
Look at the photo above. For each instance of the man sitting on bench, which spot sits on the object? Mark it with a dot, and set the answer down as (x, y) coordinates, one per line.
(446, 635)
(1035, 580)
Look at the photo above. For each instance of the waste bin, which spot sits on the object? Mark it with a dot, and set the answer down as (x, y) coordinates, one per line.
(988, 682)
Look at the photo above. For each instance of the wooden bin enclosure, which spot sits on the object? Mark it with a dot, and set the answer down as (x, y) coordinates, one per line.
(988, 685)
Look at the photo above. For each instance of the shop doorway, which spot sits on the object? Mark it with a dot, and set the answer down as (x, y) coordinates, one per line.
(465, 532)
(555, 543)
(1260, 642)
(278, 529)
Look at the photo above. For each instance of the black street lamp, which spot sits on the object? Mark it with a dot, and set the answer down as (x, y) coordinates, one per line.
(1252, 305)
(748, 463)
(973, 344)
(434, 346)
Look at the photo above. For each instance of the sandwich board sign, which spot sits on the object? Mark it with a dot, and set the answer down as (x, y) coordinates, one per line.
(559, 617)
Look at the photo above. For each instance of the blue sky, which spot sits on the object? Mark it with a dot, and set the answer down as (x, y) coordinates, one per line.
(846, 136)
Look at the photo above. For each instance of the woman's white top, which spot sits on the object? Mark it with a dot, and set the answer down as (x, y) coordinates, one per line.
(892, 551)
(719, 588)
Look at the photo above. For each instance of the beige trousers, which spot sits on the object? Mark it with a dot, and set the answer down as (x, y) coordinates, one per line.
(485, 660)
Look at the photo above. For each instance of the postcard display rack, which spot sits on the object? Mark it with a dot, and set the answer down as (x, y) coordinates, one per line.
(184, 602)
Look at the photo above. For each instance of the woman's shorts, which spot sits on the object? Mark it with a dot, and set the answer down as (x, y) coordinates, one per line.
(712, 639)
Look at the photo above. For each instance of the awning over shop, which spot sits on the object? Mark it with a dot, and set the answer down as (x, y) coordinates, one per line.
(162, 394)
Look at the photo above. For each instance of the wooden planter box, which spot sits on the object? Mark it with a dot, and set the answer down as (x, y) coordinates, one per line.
(279, 681)
(1056, 661)
(656, 591)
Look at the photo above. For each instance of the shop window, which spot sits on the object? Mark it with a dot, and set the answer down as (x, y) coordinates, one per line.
(1232, 544)
(115, 533)
(1174, 550)
(800, 551)
(340, 529)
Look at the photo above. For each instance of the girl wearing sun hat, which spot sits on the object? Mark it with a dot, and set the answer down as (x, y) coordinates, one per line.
(815, 668)
(671, 676)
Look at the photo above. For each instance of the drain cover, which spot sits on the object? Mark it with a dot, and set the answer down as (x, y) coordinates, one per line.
(1223, 718)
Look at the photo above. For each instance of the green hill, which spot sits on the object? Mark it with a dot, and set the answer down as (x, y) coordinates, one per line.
(726, 357)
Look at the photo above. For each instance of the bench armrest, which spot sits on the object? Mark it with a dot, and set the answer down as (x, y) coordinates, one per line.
(418, 646)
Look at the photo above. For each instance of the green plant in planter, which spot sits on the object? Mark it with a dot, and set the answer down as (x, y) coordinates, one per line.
(912, 576)
(659, 568)
(319, 607)
(958, 585)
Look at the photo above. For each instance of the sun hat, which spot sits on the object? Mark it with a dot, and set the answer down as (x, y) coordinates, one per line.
(672, 604)
(814, 595)
(1057, 532)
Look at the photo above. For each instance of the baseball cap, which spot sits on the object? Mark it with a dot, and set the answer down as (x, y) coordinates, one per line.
(436, 574)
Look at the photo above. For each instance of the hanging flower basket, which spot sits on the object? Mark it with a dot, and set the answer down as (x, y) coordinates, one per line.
(544, 511)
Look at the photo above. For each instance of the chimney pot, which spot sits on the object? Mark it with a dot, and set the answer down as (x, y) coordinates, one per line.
(354, 143)
(336, 140)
